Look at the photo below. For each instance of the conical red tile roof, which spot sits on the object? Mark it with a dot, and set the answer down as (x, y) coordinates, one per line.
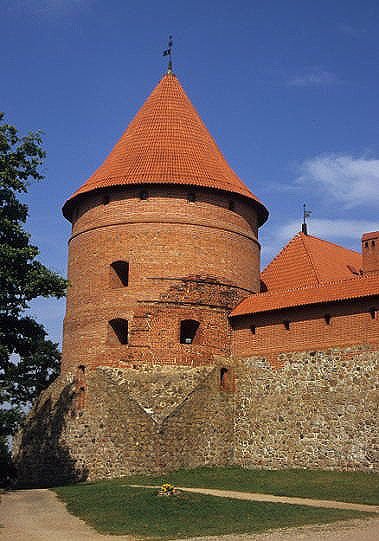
(167, 143)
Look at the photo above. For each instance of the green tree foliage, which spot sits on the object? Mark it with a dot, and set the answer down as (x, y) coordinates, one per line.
(28, 360)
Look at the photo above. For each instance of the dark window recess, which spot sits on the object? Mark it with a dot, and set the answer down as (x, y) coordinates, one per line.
(82, 368)
(226, 379)
(143, 195)
(327, 318)
(106, 199)
(253, 329)
(223, 376)
(286, 324)
(118, 331)
(188, 331)
(191, 197)
(232, 205)
(119, 274)
(373, 313)
(366, 244)
(372, 243)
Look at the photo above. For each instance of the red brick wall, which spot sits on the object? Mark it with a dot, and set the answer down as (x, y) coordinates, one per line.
(187, 260)
(350, 323)
(370, 252)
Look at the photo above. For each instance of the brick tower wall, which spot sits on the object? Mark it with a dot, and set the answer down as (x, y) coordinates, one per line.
(187, 260)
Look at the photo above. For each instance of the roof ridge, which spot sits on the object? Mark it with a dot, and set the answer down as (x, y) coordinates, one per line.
(276, 257)
(333, 244)
(309, 254)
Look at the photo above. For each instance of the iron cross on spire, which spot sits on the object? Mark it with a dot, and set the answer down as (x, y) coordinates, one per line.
(306, 214)
(168, 52)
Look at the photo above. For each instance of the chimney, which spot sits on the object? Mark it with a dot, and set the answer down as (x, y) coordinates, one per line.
(370, 252)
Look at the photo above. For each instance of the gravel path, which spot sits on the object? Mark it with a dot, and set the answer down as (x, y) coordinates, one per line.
(38, 515)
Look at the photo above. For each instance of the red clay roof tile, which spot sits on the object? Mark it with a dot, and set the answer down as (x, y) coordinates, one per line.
(167, 143)
(307, 260)
(360, 286)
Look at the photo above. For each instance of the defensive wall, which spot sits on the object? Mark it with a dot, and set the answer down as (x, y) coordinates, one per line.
(319, 410)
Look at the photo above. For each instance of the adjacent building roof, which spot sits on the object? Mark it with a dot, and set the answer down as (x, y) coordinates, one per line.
(307, 261)
(167, 143)
(310, 271)
(360, 286)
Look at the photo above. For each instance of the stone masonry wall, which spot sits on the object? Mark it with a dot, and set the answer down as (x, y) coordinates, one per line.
(320, 410)
(147, 420)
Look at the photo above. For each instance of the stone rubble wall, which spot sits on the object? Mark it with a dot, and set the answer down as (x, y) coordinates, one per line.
(150, 419)
(320, 410)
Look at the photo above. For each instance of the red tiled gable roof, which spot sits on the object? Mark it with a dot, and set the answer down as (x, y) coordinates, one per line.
(167, 143)
(362, 286)
(307, 261)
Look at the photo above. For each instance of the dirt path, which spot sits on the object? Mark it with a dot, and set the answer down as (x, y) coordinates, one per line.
(258, 497)
(38, 515)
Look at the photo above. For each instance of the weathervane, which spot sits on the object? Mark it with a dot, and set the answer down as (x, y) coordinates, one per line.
(168, 52)
(306, 214)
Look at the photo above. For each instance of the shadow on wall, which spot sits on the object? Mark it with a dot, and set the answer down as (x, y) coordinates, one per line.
(42, 458)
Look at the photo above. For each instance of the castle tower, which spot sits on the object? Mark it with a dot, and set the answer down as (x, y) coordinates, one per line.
(164, 244)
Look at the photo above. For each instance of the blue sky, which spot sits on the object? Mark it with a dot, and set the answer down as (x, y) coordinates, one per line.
(288, 88)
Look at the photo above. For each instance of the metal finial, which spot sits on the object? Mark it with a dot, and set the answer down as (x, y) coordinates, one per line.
(306, 214)
(168, 52)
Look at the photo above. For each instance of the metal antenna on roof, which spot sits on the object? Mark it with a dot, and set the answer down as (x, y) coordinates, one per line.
(306, 214)
(168, 52)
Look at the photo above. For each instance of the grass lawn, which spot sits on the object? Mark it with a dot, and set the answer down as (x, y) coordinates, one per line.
(358, 487)
(111, 507)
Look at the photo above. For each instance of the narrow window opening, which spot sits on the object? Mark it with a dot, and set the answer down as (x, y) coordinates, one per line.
(373, 313)
(191, 197)
(232, 205)
(226, 379)
(188, 331)
(286, 324)
(253, 329)
(118, 331)
(366, 244)
(143, 195)
(372, 243)
(119, 274)
(223, 376)
(327, 318)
